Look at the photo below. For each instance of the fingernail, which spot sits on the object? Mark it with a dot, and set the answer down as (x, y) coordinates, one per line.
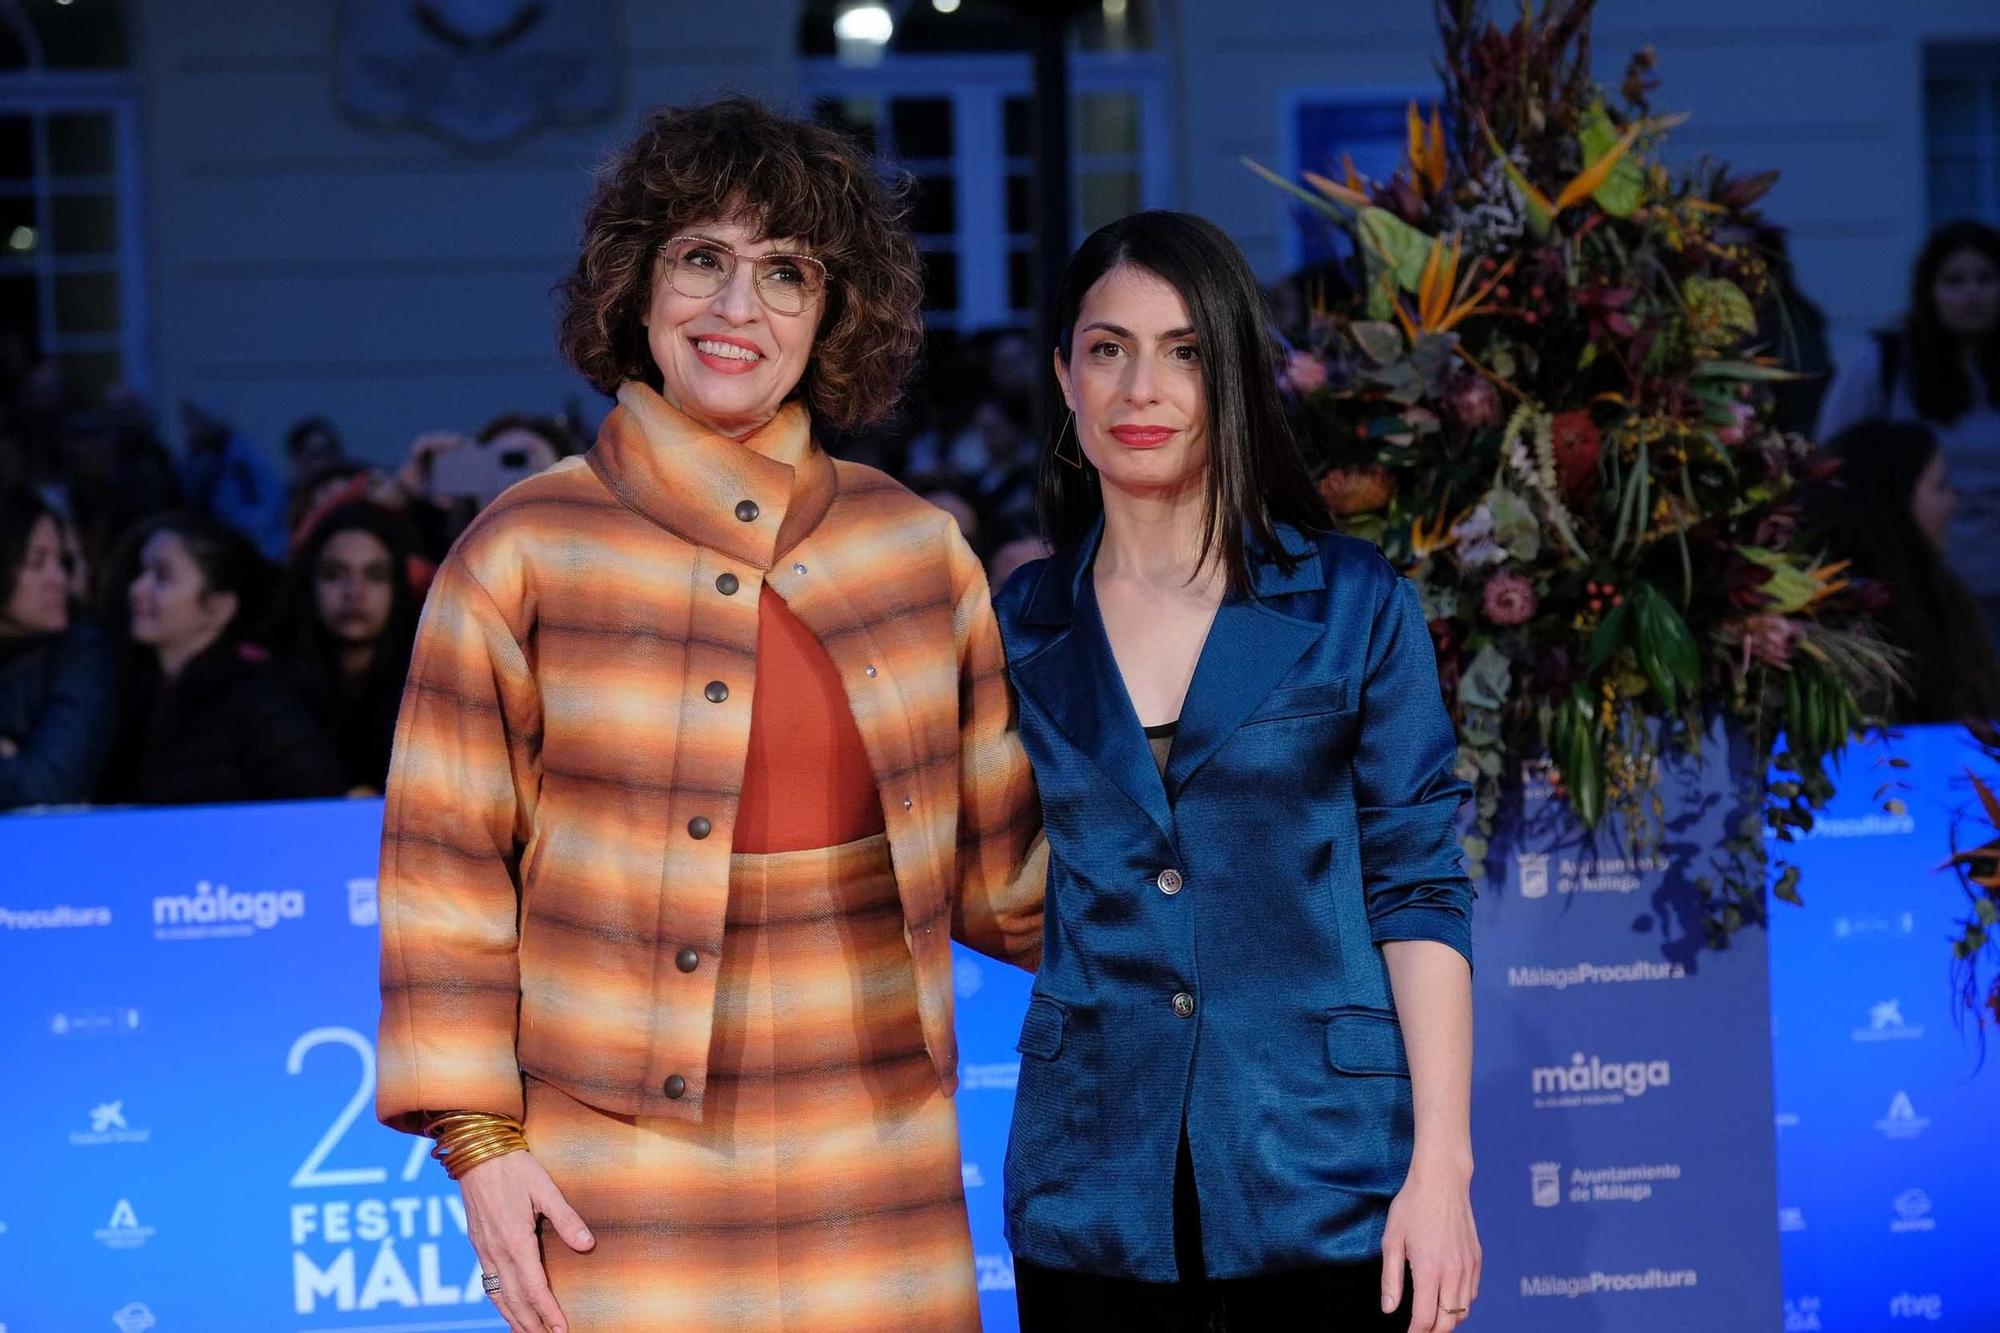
(587, 1238)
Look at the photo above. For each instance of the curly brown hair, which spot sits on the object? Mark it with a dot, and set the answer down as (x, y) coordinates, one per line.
(736, 158)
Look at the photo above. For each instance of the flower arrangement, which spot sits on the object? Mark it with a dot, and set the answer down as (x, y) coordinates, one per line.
(1978, 870)
(1542, 399)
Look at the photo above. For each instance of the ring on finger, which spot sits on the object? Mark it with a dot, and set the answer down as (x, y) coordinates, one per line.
(490, 1281)
(1455, 1310)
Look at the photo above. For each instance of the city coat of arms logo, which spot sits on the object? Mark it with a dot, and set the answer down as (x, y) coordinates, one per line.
(478, 73)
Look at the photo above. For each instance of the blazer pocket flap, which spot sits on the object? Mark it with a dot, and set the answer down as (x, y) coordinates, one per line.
(1326, 696)
(1366, 1041)
(1041, 1030)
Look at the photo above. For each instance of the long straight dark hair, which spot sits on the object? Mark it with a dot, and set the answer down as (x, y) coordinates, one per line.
(1866, 518)
(1935, 363)
(1256, 478)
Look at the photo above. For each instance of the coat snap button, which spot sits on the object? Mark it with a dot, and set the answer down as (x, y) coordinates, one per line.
(716, 692)
(727, 585)
(675, 1087)
(699, 827)
(687, 960)
(747, 510)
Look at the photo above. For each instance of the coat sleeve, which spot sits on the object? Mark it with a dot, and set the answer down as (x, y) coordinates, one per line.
(1406, 794)
(58, 761)
(460, 800)
(1002, 856)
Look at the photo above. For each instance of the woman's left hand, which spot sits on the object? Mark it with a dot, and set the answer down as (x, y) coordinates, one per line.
(1431, 1229)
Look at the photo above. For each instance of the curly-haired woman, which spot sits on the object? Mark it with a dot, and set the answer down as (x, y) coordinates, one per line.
(704, 759)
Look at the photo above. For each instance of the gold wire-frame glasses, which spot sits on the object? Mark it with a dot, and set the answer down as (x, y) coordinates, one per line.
(699, 266)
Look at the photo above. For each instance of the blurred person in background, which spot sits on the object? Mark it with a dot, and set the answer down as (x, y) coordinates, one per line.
(207, 719)
(310, 445)
(1890, 512)
(228, 478)
(354, 619)
(956, 499)
(1011, 544)
(56, 700)
(1942, 368)
(1794, 327)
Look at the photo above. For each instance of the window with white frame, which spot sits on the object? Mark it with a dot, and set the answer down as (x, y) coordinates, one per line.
(71, 282)
(951, 105)
(1962, 130)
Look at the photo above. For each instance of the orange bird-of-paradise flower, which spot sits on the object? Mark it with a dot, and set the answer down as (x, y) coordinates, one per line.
(1445, 298)
(1427, 539)
(1426, 149)
(1542, 210)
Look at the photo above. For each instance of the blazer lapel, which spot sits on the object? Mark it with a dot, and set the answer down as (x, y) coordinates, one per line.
(1250, 649)
(1074, 680)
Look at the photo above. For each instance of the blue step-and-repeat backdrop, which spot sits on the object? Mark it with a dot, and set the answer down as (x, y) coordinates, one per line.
(188, 1007)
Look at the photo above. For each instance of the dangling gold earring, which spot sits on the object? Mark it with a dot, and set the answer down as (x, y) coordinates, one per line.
(1069, 429)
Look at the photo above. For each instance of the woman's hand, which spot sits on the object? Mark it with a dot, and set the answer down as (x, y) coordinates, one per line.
(503, 1197)
(1431, 1229)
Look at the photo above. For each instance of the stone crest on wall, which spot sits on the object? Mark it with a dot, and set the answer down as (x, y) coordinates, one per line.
(478, 73)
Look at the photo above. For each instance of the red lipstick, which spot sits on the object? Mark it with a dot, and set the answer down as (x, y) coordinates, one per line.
(1143, 437)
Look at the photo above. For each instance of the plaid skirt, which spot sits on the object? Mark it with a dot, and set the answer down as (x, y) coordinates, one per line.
(822, 1190)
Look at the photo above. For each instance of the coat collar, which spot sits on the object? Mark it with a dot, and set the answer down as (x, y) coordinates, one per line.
(694, 483)
(1075, 678)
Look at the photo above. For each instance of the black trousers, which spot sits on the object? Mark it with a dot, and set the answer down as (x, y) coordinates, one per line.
(1337, 1298)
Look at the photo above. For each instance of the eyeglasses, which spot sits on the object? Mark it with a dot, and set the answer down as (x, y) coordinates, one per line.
(698, 268)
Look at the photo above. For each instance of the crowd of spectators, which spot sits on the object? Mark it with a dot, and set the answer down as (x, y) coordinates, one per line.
(212, 625)
(225, 622)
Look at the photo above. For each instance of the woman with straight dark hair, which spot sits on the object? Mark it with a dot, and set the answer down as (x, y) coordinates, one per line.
(1247, 1084)
(1942, 369)
(56, 701)
(207, 719)
(1888, 512)
(354, 622)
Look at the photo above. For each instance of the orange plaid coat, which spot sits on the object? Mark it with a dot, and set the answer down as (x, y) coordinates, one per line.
(556, 839)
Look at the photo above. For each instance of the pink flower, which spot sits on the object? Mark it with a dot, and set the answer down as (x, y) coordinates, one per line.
(1304, 372)
(1767, 638)
(1471, 401)
(1735, 435)
(1509, 599)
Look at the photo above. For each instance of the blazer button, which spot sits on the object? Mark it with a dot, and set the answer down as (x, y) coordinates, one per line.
(747, 510)
(726, 584)
(675, 1087)
(1170, 881)
(699, 827)
(687, 960)
(716, 691)
(1183, 1005)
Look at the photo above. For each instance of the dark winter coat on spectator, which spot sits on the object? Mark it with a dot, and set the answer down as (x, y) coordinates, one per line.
(226, 730)
(58, 711)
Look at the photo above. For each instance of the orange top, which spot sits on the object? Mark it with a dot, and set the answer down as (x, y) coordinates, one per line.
(807, 782)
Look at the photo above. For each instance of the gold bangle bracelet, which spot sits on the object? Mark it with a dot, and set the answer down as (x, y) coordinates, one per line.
(464, 1139)
(470, 1139)
(457, 1164)
(467, 1147)
(449, 1122)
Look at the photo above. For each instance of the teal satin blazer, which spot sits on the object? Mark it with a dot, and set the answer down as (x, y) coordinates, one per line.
(1212, 941)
